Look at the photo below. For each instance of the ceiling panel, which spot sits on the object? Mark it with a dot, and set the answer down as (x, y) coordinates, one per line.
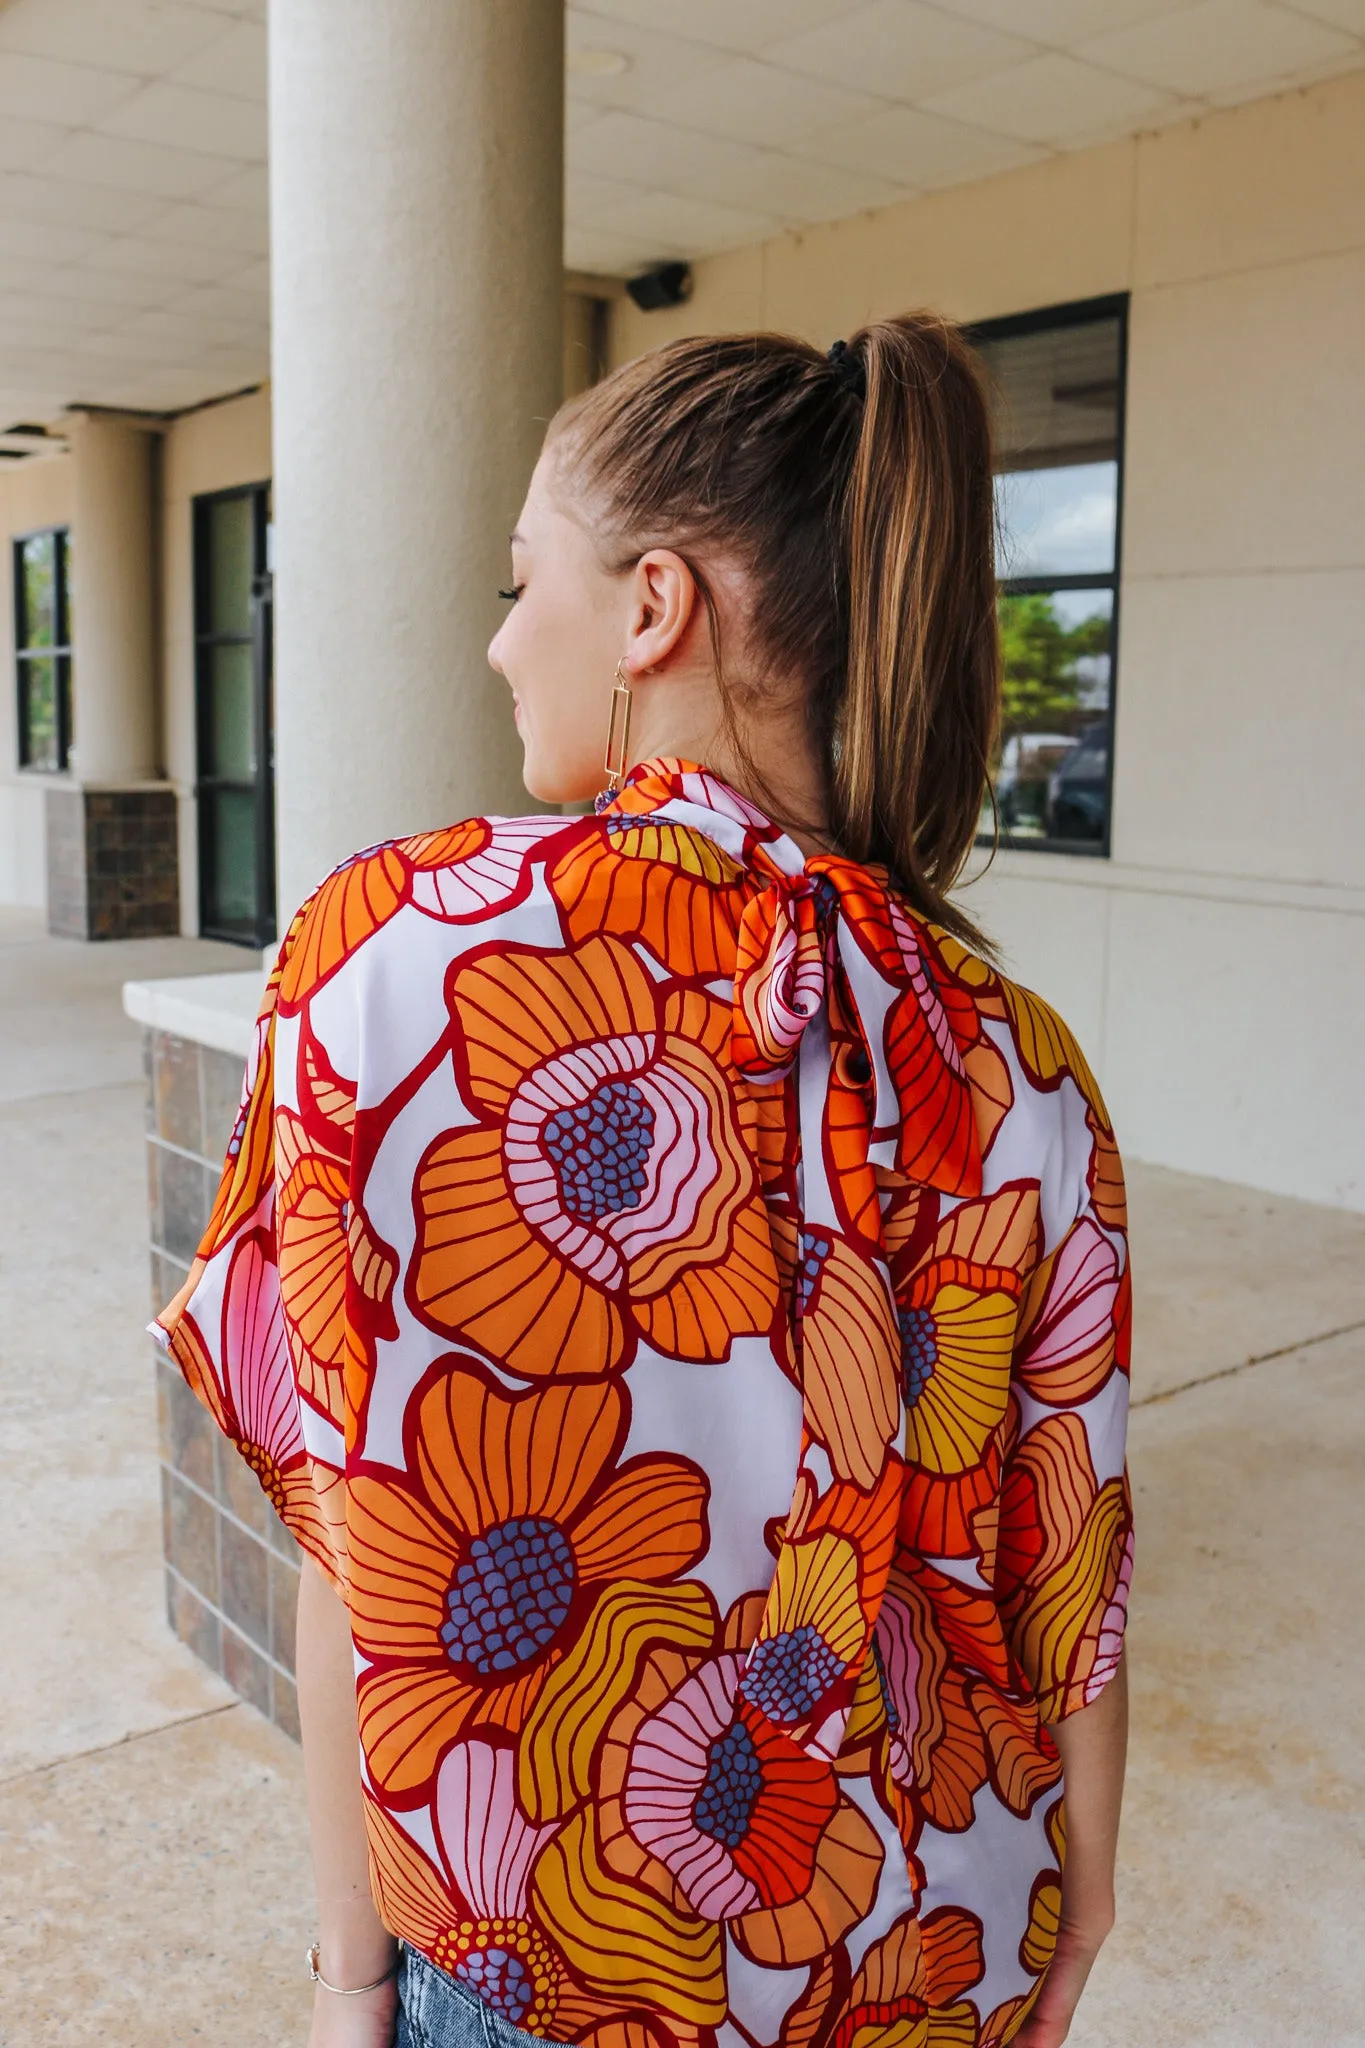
(1059, 23)
(41, 89)
(217, 227)
(24, 144)
(183, 117)
(1217, 44)
(24, 197)
(754, 102)
(234, 62)
(141, 37)
(184, 262)
(685, 227)
(922, 150)
(1052, 99)
(899, 50)
(134, 230)
(747, 25)
(1347, 14)
(86, 158)
(45, 239)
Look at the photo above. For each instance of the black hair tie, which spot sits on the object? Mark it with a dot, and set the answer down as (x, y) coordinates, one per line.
(850, 369)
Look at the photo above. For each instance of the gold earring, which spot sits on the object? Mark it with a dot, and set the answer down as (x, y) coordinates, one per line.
(618, 755)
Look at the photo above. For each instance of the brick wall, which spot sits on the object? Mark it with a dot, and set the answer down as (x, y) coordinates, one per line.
(232, 1568)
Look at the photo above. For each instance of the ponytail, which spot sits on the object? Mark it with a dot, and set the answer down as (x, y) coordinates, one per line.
(917, 715)
(854, 489)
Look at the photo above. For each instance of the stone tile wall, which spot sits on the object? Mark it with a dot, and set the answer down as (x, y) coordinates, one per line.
(232, 1568)
(112, 863)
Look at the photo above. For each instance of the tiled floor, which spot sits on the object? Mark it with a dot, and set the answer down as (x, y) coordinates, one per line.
(153, 1871)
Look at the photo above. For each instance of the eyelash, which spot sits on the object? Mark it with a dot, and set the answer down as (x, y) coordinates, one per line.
(511, 596)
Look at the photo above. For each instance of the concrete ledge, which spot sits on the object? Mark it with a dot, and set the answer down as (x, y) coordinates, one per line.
(217, 1010)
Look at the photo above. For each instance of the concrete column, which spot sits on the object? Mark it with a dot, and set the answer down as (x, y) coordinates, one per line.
(113, 650)
(416, 175)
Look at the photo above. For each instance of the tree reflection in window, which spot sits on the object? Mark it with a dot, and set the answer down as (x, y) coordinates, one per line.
(1057, 387)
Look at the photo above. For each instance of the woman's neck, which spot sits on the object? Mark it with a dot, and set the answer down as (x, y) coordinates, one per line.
(770, 756)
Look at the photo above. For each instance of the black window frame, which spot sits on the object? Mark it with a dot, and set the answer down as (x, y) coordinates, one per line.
(260, 639)
(60, 650)
(1043, 319)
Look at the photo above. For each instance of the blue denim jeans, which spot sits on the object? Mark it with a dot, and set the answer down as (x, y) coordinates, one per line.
(435, 2010)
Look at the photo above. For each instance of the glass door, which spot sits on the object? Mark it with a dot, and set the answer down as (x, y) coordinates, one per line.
(235, 723)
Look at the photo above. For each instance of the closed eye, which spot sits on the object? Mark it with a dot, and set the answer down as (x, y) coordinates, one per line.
(511, 596)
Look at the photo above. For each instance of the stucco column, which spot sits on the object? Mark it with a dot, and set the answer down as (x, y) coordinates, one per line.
(113, 650)
(110, 831)
(416, 176)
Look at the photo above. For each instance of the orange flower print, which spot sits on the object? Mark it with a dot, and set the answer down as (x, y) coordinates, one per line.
(816, 1622)
(324, 1237)
(910, 1982)
(706, 1817)
(655, 880)
(467, 1598)
(470, 1912)
(958, 1311)
(257, 1407)
(1072, 1319)
(936, 1749)
(1065, 1563)
(845, 1323)
(459, 874)
(607, 1192)
(249, 1165)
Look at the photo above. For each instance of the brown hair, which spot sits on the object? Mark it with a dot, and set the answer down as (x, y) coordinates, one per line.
(854, 489)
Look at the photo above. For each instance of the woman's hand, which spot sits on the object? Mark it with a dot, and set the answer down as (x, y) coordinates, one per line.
(354, 1945)
(1049, 2023)
(364, 2022)
(1093, 1745)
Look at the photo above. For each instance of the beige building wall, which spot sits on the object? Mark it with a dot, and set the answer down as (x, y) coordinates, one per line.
(1214, 968)
(214, 449)
(38, 493)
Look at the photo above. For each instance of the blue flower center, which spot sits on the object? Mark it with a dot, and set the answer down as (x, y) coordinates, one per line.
(600, 1150)
(816, 1247)
(724, 1806)
(510, 1596)
(500, 1978)
(788, 1675)
(919, 1351)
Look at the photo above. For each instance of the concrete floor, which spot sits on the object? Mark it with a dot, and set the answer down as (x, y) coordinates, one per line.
(154, 1885)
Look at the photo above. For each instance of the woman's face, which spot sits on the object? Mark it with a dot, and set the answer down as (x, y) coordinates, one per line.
(558, 647)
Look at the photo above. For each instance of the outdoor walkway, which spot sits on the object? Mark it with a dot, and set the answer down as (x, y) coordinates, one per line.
(154, 1887)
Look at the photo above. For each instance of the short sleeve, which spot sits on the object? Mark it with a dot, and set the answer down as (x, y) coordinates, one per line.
(226, 1329)
(1065, 1547)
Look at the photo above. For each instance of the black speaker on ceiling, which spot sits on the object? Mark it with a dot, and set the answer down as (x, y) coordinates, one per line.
(668, 284)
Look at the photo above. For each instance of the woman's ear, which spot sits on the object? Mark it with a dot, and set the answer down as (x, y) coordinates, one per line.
(664, 600)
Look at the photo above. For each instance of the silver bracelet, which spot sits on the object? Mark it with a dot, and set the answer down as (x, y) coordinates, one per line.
(341, 1991)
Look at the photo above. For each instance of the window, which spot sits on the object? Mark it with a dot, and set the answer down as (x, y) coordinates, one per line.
(1058, 381)
(42, 647)
(235, 733)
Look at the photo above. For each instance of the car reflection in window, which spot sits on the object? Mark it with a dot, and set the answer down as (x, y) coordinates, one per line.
(1027, 761)
(1078, 787)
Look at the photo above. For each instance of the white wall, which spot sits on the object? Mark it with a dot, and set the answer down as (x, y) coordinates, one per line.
(1215, 967)
(34, 494)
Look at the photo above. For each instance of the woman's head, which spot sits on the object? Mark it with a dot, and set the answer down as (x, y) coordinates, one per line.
(791, 551)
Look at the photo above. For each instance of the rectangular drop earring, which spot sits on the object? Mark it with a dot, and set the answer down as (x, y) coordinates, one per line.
(618, 741)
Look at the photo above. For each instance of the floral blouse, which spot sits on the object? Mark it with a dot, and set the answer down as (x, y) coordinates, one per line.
(681, 1301)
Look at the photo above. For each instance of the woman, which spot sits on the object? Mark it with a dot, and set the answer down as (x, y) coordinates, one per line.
(675, 1289)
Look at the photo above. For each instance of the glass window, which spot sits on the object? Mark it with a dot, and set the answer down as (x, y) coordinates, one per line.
(1057, 386)
(235, 784)
(42, 648)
